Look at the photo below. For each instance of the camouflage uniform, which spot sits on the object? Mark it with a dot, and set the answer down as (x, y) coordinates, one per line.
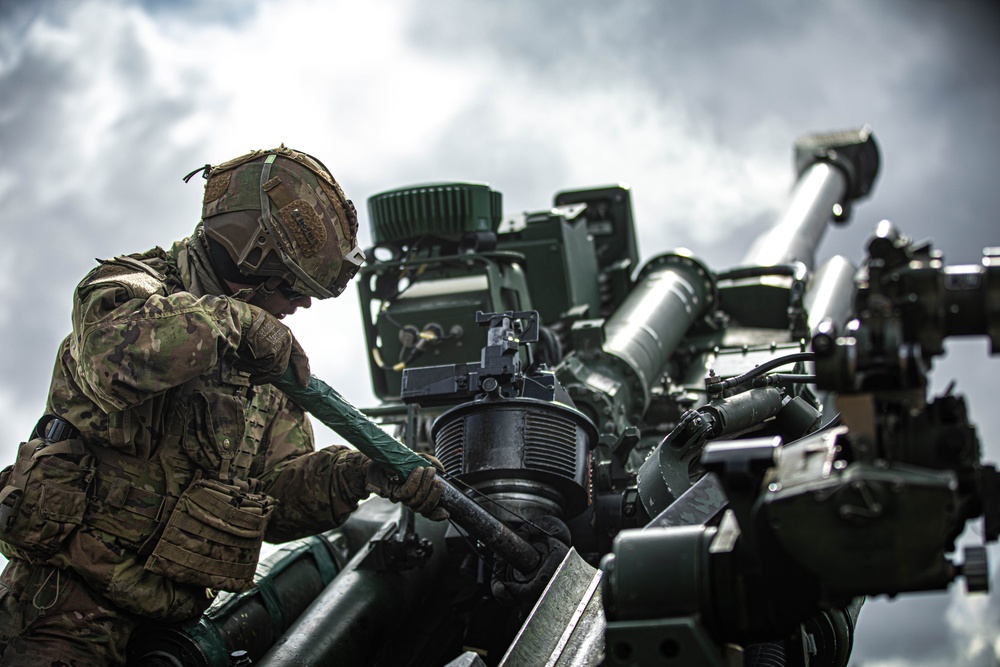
(185, 465)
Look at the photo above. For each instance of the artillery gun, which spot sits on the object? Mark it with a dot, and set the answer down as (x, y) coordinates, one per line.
(667, 465)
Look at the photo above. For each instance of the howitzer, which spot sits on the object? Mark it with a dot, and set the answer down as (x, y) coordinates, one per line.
(725, 462)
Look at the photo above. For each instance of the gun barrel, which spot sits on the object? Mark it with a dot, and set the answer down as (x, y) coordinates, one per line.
(835, 169)
(799, 230)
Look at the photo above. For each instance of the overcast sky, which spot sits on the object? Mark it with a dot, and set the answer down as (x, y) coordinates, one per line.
(105, 105)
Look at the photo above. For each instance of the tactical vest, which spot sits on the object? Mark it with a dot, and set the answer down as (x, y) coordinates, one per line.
(180, 516)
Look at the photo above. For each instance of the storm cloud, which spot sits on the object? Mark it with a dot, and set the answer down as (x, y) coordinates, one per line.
(105, 105)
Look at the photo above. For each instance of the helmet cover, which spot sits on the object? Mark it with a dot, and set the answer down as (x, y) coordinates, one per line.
(280, 215)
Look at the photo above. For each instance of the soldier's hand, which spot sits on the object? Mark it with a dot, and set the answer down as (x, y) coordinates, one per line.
(421, 491)
(267, 349)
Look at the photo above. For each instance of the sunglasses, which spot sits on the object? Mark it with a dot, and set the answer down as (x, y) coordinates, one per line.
(290, 294)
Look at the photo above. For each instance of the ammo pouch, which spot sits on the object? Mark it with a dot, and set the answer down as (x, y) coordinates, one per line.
(127, 498)
(44, 497)
(213, 537)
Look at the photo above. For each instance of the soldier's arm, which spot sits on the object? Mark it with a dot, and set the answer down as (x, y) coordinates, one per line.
(316, 490)
(133, 341)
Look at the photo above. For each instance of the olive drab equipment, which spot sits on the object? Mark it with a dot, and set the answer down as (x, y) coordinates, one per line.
(208, 537)
(282, 217)
(43, 496)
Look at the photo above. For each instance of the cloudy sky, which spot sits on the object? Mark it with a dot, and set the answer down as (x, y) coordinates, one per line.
(105, 105)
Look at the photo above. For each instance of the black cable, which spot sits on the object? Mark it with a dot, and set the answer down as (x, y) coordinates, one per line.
(764, 368)
(783, 378)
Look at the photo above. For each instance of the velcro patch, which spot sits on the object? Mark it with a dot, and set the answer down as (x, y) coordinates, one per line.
(138, 284)
(301, 220)
(217, 186)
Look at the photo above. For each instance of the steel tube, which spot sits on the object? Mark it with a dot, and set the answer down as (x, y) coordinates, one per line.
(489, 530)
(796, 235)
(671, 293)
(354, 617)
(831, 293)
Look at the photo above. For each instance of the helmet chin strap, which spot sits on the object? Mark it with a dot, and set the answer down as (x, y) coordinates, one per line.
(263, 290)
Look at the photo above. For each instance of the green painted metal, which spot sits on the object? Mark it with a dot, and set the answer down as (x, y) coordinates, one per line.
(559, 255)
(287, 582)
(435, 209)
(447, 293)
(335, 411)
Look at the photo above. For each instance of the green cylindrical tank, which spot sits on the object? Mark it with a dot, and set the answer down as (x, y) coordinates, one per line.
(287, 583)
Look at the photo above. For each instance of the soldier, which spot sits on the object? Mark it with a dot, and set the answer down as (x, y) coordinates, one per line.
(165, 456)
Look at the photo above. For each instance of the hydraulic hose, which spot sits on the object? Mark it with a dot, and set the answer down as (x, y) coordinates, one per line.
(763, 368)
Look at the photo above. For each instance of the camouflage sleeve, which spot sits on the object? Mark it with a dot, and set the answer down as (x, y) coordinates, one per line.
(130, 344)
(316, 490)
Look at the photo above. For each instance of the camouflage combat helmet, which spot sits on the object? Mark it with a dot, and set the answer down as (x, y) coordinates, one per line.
(283, 221)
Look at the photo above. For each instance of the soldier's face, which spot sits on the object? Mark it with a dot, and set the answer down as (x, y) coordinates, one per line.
(278, 304)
